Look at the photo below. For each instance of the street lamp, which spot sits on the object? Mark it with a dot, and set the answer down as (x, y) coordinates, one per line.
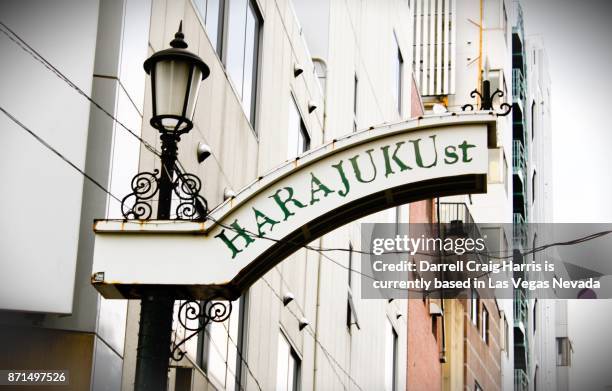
(176, 75)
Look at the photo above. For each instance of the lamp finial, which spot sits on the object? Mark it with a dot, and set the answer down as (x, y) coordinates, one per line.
(178, 42)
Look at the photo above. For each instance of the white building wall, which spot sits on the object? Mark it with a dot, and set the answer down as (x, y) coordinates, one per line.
(100, 47)
(56, 113)
(352, 38)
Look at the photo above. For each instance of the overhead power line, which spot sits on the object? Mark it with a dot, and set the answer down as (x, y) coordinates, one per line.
(57, 153)
(308, 247)
(309, 331)
(23, 45)
(27, 48)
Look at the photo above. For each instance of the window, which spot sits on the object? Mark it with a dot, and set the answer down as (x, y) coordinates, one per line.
(217, 350)
(534, 245)
(533, 119)
(504, 334)
(355, 91)
(564, 352)
(533, 187)
(535, 315)
(505, 25)
(298, 140)
(475, 302)
(241, 56)
(351, 312)
(498, 167)
(397, 219)
(484, 329)
(211, 12)
(390, 357)
(497, 79)
(233, 27)
(434, 326)
(505, 173)
(398, 82)
(287, 367)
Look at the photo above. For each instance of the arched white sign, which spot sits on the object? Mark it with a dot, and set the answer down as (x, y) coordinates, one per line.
(329, 186)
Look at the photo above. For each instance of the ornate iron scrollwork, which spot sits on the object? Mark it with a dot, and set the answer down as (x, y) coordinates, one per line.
(192, 205)
(203, 312)
(145, 186)
(486, 100)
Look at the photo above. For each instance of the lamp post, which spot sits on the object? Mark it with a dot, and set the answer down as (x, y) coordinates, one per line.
(176, 75)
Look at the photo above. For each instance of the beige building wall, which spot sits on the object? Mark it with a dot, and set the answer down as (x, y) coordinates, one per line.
(348, 38)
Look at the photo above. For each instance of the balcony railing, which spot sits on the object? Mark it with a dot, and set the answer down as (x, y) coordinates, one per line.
(518, 158)
(519, 229)
(518, 85)
(451, 212)
(455, 211)
(521, 381)
(520, 308)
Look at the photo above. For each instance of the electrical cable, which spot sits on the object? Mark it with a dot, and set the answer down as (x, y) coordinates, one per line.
(328, 355)
(307, 328)
(57, 153)
(41, 59)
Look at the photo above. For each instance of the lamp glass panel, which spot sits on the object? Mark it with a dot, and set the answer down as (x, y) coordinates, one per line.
(194, 87)
(170, 86)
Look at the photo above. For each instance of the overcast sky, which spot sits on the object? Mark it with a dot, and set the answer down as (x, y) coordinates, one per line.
(578, 38)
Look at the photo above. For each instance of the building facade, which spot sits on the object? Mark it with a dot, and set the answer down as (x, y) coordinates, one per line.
(541, 327)
(55, 54)
(457, 46)
(286, 77)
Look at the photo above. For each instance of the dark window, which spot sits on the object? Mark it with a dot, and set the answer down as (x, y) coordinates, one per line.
(484, 329)
(242, 54)
(349, 306)
(505, 25)
(474, 307)
(398, 77)
(505, 337)
(288, 366)
(351, 311)
(390, 358)
(564, 352)
(533, 187)
(434, 326)
(217, 352)
(211, 12)
(355, 96)
(298, 140)
(533, 119)
(535, 315)
(234, 27)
